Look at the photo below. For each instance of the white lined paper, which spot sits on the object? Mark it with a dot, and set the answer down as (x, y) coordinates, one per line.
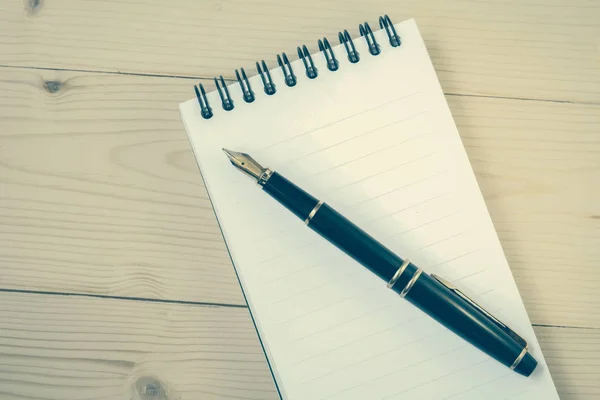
(376, 141)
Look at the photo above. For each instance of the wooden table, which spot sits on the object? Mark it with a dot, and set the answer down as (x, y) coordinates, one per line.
(114, 279)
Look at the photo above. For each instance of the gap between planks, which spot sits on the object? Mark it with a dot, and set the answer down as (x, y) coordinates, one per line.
(206, 304)
(91, 71)
(141, 299)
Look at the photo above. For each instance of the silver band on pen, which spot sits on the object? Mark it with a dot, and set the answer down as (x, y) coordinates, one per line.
(410, 283)
(313, 212)
(519, 358)
(396, 276)
(264, 177)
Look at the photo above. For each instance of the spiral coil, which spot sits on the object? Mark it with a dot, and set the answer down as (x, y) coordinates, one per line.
(290, 78)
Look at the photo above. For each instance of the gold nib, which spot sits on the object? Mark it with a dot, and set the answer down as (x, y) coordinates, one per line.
(245, 163)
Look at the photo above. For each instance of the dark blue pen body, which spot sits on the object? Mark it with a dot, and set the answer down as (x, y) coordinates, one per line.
(424, 291)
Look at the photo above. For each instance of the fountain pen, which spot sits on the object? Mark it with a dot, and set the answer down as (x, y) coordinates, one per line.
(431, 293)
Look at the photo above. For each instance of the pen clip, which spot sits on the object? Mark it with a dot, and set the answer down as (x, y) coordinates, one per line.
(495, 320)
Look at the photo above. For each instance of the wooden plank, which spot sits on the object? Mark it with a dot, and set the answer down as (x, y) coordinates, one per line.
(573, 356)
(533, 49)
(538, 165)
(100, 193)
(56, 347)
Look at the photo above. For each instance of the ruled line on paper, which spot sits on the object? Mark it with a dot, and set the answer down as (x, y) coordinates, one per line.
(309, 245)
(341, 323)
(371, 223)
(386, 170)
(350, 296)
(454, 372)
(349, 139)
(391, 351)
(368, 223)
(395, 167)
(369, 313)
(436, 197)
(396, 372)
(399, 189)
(393, 327)
(433, 221)
(277, 233)
(405, 185)
(441, 241)
(388, 351)
(318, 263)
(456, 258)
(313, 288)
(479, 385)
(366, 313)
(338, 121)
(417, 136)
(521, 393)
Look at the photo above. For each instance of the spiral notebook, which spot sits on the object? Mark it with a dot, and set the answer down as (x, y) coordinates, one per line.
(364, 126)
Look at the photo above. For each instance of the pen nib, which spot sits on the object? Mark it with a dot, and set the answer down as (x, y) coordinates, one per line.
(245, 163)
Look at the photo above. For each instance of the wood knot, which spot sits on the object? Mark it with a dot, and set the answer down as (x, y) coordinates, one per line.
(149, 388)
(52, 86)
(33, 7)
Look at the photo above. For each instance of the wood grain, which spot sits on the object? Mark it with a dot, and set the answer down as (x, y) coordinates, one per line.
(57, 347)
(538, 164)
(526, 49)
(100, 193)
(573, 356)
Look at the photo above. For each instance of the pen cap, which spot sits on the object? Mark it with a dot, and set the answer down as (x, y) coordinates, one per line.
(465, 318)
(527, 365)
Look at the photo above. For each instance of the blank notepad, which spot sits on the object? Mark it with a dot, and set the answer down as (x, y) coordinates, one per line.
(376, 141)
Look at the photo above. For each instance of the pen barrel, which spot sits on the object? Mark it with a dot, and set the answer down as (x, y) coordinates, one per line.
(337, 229)
(359, 245)
(463, 318)
(289, 195)
(435, 299)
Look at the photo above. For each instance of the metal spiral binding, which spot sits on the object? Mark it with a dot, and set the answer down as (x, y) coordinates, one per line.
(245, 85)
(226, 100)
(265, 76)
(309, 65)
(346, 40)
(325, 47)
(286, 67)
(205, 109)
(386, 23)
(367, 33)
